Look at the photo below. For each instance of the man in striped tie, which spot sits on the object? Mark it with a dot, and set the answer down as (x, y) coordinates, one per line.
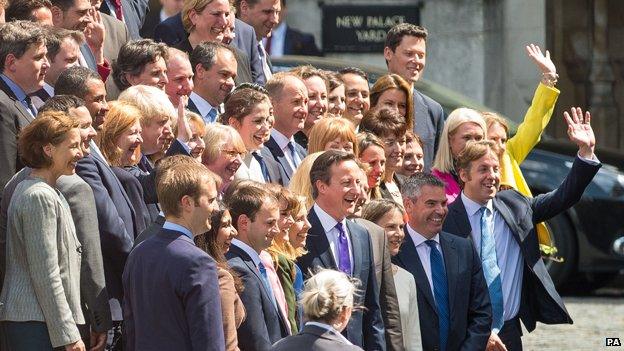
(453, 301)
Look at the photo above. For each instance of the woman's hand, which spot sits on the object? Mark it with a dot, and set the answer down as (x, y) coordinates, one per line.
(543, 62)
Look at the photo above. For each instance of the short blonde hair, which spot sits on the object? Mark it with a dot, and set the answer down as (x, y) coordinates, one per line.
(121, 117)
(328, 129)
(216, 137)
(198, 6)
(326, 294)
(491, 118)
(151, 101)
(300, 181)
(443, 161)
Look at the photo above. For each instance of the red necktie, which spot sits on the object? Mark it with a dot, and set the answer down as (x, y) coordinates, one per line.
(118, 12)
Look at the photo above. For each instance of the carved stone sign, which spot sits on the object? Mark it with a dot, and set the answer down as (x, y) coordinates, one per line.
(362, 28)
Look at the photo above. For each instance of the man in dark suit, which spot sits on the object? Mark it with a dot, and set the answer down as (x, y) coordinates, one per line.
(131, 12)
(23, 73)
(337, 243)
(285, 40)
(405, 53)
(255, 214)
(172, 299)
(453, 304)
(214, 67)
(289, 97)
(502, 228)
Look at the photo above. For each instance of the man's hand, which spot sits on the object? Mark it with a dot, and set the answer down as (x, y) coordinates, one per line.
(580, 131)
(184, 128)
(495, 344)
(77, 346)
(543, 62)
(95, 34)
(98, 341)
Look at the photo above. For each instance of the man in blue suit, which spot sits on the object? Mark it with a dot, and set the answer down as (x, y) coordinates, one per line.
(255, 214)
(502, 228)
(453, 303)
(336, 243)
(172, 299)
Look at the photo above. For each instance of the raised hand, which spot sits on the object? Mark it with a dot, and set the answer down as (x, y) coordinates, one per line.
(95, 34)
(184, 128)
(580, 131)
(543, 62)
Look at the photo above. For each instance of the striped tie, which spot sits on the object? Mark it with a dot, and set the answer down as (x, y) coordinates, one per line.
(440, 291)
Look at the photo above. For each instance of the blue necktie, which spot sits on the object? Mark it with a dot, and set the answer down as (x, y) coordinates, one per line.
(30, 106)
(491, 271)
(291, 147)
(265, 280)
(212, 115)
(344, 259)
(263, 167)
(440, 291)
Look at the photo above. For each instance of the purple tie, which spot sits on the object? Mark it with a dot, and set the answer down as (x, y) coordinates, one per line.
(344, 261)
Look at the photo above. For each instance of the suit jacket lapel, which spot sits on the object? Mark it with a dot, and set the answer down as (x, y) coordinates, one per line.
(451, 264)
(411, 262)
(317, 240)
(27, 117)
(459, 217)
(358, 242)
(509, 219)
(277, 152)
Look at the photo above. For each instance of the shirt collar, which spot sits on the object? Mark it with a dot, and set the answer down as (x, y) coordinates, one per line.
(255, 257)
(178, 228)
(202, 105)
(330, 329)
(418, 238)
(19, 93)
(473, 207)
(49, 89)
(281, 139)
(328, 222)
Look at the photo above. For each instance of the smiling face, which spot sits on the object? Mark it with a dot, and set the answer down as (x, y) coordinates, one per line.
(216, 83)
(394, 150)
(156, 135)
(298, 232)
(153, 74)
(66, 57)
(414, 159)
(376, 159)
(29, 70)
(336, 101)
(286, 219)
(393, 224)
(317, 103)
(87, 132)
(264, 227)
(263, 16)
(255, 128)
(228, 161)
(357, 97)
(203, 207)
(339, 197)
(129, 142)
(66, 154)
(393, 99)
(466, 132)
(211, 22)
(408, 59)
(196, 142)
(180, 77)
(498, 135)
(95, 101)
(226, 232)
(427, 212)
(339, 144)
(482, 179)
(77, 17)
(291, 107)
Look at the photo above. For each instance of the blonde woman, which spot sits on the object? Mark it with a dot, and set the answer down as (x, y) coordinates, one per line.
(300, 181)
(332, 133)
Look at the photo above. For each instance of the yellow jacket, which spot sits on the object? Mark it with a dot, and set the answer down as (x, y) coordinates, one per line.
(527, 136)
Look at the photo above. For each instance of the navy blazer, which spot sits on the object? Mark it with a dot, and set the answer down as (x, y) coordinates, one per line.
(469, 300)
(540, 302)
(115, 218)
(299, 43)
(264, 324)
(133, 189)
(365, 328)
(172, 299)
(272, 150)
(134, 13)
(428, 124)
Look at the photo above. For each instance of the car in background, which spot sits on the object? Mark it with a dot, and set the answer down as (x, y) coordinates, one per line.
(590, 235)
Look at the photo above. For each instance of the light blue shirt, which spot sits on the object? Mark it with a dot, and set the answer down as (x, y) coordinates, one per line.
(508, 255)
(178, 228)
(329, 226)
(255, 257)
(424, 252)
(204, 107)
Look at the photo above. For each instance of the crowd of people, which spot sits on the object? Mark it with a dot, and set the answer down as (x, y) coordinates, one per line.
(175, 193)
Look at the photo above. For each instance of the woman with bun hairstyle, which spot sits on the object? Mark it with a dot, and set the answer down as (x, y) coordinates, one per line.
(327, 303)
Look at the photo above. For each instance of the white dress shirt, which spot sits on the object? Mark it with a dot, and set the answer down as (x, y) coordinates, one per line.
(282, 142)
(329, 226)
(250, 169)
(508, 255)
(424, 252)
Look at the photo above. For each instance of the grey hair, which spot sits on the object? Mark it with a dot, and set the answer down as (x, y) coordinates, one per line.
(325, 294)
(412, 187)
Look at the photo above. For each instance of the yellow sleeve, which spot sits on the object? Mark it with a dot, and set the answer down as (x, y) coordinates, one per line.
(535, 120)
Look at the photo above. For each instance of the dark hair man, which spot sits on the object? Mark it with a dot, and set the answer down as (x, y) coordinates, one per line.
(504, 221)
(342, 244)
(405, 52)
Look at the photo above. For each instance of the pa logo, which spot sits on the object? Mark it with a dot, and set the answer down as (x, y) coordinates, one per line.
(613, 342)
